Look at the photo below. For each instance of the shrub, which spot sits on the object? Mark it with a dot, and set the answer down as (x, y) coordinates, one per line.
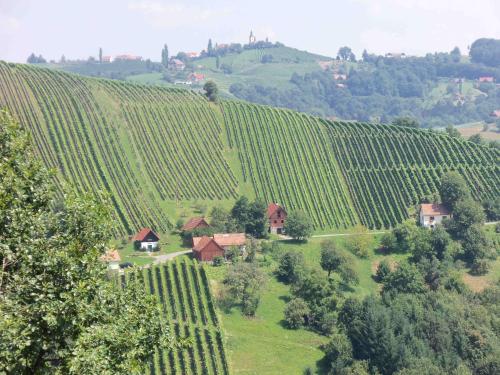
(296, 313)
(290, 267)
(383, 270)
(218, 261)
(480, 267)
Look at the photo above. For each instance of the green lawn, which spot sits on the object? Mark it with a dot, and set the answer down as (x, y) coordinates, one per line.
(262, 345)
(169, 243)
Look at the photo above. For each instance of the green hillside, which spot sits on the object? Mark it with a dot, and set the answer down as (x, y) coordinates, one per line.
(158, 150)
(247, 67)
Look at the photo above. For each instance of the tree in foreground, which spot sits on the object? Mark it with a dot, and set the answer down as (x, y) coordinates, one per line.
(298, 225)
(59, 313)
(211, 91)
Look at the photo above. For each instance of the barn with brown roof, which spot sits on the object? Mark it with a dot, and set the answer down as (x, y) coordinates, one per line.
(277, 217)
(205, 249)
(227, 240)
(195, 223)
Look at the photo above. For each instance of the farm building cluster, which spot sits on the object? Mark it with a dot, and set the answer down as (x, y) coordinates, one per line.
(204, 247)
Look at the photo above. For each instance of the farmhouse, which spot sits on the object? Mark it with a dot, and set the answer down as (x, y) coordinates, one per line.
(196, 77)
(177, 64)
(192, 55)
(339, 77)
(127, 58)
(488, 79)
(205, 249)
(195, 223)
(227, 240)
(112, 257)
(495, 113)
(276, 216)
(432, 214)
(146, 239)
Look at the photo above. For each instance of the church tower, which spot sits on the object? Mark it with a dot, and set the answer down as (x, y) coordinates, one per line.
(251, 38)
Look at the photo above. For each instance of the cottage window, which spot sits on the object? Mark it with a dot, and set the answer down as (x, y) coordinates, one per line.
(279, 214)
(282, 221)
(431, 218)
(275, 221)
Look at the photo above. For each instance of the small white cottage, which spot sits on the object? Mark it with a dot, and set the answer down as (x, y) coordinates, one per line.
(146, 239)
(432, 214)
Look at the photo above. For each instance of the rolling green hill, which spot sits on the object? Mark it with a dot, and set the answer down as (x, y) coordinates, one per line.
(157, 150)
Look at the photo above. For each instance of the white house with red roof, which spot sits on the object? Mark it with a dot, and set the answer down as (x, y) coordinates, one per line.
(277, 217)
(432, 214)
(146, 239)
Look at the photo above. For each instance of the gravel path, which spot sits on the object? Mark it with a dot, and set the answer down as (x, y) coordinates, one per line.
(165, 258)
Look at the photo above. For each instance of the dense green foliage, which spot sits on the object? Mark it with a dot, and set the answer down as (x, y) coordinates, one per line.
(380, 88)
(486, 51)
(59, 313)
(183, 290)
(152, 147)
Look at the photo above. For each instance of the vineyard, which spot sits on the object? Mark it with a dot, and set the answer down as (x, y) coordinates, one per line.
(182, 288)
(135, 143)
(285, 156)
(389, 169)
(148, 147)
(342, 173)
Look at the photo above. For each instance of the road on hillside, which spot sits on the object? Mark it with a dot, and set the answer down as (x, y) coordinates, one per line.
(166, 257)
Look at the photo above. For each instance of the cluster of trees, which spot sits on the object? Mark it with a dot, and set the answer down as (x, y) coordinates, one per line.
(382, 88)
(58, 308)
(426, 321)
(486, 51)
(245, 216)
(316, 295)
(223, 50)
(460, 239)
(34, 59)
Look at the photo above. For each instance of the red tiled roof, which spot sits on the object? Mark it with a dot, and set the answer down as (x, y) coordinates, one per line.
(200, 243)
(230, 239)
(429, 209)
(143, 233)
(111, 256)
(194, 222)
(272, 208)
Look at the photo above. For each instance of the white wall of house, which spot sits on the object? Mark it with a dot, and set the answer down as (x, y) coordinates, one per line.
(149, 245)
(114, 265)
(429, 221)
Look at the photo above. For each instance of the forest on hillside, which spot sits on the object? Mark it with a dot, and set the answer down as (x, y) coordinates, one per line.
(437, 90)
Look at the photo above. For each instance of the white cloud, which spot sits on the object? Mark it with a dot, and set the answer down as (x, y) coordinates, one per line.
(171, 15)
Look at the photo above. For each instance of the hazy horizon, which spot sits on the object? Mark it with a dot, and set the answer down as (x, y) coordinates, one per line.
(77, 29)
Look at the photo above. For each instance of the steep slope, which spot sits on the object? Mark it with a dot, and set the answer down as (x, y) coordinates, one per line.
(152, 148)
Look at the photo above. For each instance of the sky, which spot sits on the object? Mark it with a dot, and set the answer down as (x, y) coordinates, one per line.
(77, 28)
